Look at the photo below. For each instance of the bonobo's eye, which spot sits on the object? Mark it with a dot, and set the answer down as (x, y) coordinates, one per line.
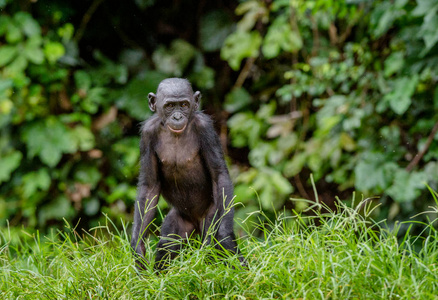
(185, 105)
(169, 106)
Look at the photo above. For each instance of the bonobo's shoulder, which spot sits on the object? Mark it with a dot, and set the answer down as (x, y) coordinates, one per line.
(150, 126)
(202, 121)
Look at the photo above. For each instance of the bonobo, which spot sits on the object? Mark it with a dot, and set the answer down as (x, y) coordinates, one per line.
(182, 159)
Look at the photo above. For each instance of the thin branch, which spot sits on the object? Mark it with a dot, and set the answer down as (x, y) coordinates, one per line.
(300, 187)
(315, 33)
(346, 33)
(333, 34)
(420, 154)
(87, 17)
(245, 72)
(350, 26)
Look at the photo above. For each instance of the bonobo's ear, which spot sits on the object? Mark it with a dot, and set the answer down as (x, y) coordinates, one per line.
(197, 96)
(152, 101)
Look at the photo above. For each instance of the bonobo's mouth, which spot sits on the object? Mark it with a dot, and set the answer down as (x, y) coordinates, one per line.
(177, 130)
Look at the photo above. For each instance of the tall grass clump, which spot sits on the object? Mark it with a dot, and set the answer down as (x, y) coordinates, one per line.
(346, 256)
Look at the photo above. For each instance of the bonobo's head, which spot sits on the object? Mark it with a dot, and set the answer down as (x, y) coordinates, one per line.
(174, 103)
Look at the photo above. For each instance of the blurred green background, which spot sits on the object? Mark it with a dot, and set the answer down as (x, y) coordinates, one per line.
(344, 90)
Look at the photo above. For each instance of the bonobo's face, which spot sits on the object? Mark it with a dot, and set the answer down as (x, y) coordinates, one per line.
(174, 103)
(175, 111)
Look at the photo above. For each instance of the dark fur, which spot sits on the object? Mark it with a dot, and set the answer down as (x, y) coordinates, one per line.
(188, 169)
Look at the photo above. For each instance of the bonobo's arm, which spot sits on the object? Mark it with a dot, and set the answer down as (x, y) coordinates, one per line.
(148, 192)
(213, 156)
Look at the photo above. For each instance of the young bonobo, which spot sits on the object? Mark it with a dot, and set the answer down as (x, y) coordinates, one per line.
(182, 159)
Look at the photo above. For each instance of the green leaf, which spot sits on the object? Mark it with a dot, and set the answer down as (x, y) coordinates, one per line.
(399, 98)
(430, 171)
(18, 65)
(271, 185)
(94, 98)
(6, 106)
(384, 16)
(214, 28)
(13, 34)
(7, 53)
(8, 163)
(53, 51)
(127, 149)
(407, 186)
(84, 138)
(48, 139)
(236, 100)
(267, 110)
(119, 192)
(240, 45)
(243, 193)
(82, 80)
(245, 130)
(294, 166)
(173, 61)
(91, 207)
(394, 63)
(33, 51)
(36, 180)
(258, 156)
(57, 209)
(4, 22)
(122, 191)
(374, 173)
(204, 78)
(429, 30)
(280, 36)
(88, 174)
(435, 98)
(66, 32)
(134, 97)
(28, 25)
(423, 7)
(281, 184)
(347, 142)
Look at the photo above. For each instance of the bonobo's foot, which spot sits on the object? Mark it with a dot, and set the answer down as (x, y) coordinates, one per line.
(243, 262)
(141, 263)
(160, 266)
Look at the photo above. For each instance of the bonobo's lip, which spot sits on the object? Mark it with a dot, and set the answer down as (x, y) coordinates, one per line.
(177, 130)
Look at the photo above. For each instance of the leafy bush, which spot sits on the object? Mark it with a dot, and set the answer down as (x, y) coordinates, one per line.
(345, 90)
(69, 144)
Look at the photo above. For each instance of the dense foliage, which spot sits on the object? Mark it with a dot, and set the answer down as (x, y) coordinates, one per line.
(345, 90)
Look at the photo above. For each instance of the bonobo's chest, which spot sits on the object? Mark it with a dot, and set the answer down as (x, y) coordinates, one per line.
(177, 153)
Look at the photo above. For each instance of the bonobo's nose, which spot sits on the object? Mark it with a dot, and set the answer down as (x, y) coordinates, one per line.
(177, 116)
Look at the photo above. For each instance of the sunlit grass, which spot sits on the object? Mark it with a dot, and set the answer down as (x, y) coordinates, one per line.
(347, 256)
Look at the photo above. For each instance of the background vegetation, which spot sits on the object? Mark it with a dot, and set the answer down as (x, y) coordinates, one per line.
(345, 90)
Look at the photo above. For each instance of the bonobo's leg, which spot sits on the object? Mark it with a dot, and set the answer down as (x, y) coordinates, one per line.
(173, 231)
(225, 235)
(226, 240)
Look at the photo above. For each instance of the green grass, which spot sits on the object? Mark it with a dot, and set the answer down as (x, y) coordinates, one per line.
(346, 257)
